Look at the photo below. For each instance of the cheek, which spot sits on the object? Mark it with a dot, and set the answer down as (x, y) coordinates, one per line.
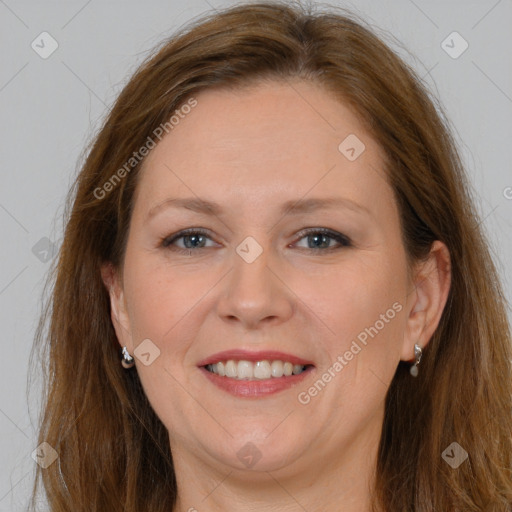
(363, 308)
(352, 297)
(161, 300)
(160, 296)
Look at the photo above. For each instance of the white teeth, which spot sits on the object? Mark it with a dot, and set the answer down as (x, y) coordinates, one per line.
(230, 368)
(255, 371)
(262, 370)
(297, 368)
(277, 368)
(245, 370)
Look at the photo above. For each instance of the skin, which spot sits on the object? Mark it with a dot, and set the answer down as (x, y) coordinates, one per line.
(270, 143)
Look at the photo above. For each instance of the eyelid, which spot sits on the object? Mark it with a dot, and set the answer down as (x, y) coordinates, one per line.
(343, 240)
(166, 241)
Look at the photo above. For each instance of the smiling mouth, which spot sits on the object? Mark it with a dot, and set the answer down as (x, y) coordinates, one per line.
(257, 370)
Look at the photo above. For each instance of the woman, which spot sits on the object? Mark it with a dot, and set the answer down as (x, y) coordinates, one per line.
(274, 230)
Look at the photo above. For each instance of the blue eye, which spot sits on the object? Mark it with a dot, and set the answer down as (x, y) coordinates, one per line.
(195, 239)
(320, 239)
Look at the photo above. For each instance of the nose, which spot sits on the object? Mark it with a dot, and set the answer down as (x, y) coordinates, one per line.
(255, 293)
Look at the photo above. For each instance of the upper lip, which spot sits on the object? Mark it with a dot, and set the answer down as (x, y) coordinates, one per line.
(246, 355)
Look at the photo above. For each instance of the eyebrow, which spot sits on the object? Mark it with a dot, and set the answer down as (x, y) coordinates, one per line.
(293, 206)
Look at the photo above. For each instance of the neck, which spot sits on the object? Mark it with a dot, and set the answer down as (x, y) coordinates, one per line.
(340, 479)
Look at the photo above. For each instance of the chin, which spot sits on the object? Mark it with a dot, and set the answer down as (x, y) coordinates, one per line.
(251, 452)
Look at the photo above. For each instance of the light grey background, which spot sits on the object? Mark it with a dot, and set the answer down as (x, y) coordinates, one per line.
(51, 107)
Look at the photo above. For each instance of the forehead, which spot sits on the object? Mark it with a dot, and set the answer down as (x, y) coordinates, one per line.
(264, 144)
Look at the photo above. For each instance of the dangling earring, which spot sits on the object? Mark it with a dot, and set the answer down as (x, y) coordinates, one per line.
(417, 355)
(127, 361)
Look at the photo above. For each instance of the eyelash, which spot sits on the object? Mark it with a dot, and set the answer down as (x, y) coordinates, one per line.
(340, 238)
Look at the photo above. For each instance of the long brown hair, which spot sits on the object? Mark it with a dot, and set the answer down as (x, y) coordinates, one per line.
(114, 452)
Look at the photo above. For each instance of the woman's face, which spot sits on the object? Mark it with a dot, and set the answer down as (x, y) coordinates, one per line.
(254, 286)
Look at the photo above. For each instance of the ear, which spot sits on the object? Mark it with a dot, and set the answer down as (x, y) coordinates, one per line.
(118, 310)
(426, 302)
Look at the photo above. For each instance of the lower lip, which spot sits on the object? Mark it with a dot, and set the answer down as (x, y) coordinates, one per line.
(255, 388)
